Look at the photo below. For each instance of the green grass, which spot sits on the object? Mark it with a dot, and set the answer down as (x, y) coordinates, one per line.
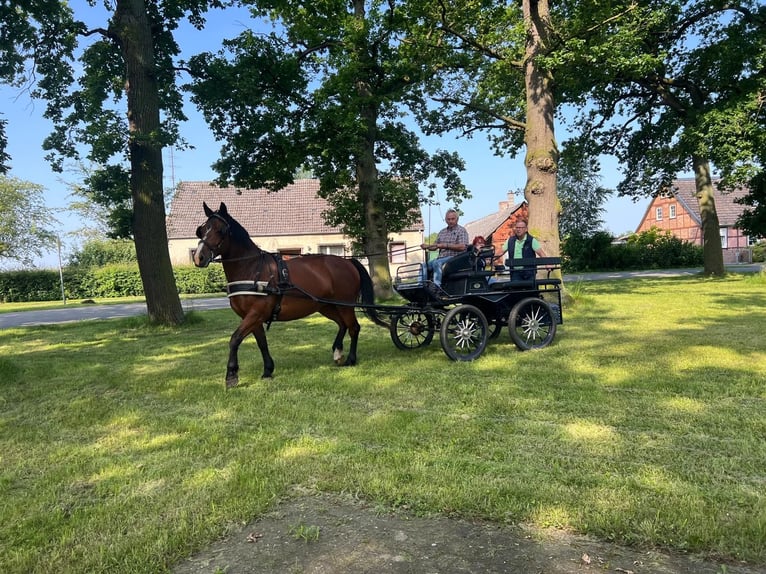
(644, 423)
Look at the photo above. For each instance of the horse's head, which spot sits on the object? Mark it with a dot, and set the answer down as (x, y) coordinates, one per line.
(212, 234)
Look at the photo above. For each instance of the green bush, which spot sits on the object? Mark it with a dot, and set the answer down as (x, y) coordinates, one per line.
(98, 253)
(191, 280)
(116, 280)
(35, 285)
(652, 249)
(759, 252)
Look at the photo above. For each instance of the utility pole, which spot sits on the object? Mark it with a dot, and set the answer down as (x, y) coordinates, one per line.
(61, 270)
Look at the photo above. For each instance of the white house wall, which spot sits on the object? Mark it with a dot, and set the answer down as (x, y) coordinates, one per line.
(180, 249)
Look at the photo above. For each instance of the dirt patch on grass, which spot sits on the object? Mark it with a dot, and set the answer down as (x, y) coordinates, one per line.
(328, 534)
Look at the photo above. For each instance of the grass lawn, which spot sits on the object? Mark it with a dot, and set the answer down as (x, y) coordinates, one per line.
(644, 423)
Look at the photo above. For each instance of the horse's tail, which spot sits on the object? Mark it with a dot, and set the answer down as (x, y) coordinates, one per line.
(368, 295)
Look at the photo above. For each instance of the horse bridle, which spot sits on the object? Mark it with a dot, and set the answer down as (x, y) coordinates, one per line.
(224, 231)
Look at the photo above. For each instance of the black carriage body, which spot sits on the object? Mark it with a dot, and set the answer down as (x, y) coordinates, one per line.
(522, 295)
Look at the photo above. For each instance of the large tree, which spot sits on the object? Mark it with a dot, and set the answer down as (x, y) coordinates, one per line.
(26, 225)
(128, 64)
(328, 90)
(656, 80)
(494, 78)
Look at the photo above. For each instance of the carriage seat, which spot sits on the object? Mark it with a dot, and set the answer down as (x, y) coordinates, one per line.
(522, 273)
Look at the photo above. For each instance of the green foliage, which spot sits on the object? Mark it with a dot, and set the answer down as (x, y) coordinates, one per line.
(25, 222)
(753, 218)
(97, 253)
(191, 280)
(759, 252)
(581, 197)
(113, 280)
(37, 41)
(108, 188)
(335, 109)
(651, 249)
(35, 285)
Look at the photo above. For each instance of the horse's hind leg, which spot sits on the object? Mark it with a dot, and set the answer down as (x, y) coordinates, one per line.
(268, 362)
(353, 327)
(337, 345)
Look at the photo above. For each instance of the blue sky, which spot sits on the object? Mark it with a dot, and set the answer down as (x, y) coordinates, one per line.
(490, 178)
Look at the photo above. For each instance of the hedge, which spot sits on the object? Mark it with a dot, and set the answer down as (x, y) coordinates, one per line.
(118, 280)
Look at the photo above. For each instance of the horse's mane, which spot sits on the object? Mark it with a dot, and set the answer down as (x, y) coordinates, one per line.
(239, 233)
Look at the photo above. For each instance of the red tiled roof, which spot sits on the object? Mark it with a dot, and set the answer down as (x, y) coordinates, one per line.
(728, 211)
(488, 224)
(294, 210)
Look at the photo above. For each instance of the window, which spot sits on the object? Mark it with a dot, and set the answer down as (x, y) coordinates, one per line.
(672, 211)
(397, 252)
(658, 213)
(724, 231)
(338, 250)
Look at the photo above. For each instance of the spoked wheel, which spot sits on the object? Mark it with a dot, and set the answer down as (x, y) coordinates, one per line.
(532, 324)
(464, 333)
(412, 329)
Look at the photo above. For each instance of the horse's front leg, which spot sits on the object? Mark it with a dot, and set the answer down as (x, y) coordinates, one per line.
(232, 367)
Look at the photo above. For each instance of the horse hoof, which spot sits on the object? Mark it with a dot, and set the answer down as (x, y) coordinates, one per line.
(231, 383)
(266, 376)
(340, 361)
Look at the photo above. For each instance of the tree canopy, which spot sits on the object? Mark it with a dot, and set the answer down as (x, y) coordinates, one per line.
(657, 82)
(328, 89)
(26, 225)
(111, 93)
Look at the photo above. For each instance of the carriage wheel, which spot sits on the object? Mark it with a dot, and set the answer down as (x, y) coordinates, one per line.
(464, 333)
(412, 329)
(532, 324)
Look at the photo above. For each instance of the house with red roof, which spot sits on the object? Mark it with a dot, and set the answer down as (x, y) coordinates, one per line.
(497, 227)
(677, 211)
(288, 222)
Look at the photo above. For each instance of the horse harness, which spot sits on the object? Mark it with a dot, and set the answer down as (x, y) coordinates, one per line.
(264, 288)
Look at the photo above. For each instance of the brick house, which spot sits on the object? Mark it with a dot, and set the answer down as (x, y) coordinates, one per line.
(497, 227)
(288, 222)
(678, 212)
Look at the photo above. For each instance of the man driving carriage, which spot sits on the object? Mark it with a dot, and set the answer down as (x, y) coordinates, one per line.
(451, 241)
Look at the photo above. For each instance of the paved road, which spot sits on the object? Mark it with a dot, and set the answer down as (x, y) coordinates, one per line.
(77, 311)
(735, 268)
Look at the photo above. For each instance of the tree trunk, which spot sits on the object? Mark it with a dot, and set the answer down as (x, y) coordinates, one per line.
(133, 32)
(376, 243)
(376, 228)
(712, 252)
(542, 153)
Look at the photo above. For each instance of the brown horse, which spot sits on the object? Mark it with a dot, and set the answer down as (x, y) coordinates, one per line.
(262, 288)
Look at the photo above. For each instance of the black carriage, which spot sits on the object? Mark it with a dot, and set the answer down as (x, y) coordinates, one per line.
(475, 303)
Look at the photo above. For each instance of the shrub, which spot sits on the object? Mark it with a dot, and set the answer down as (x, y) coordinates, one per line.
(116, 280)
(98, 253)
(651, 249)
(759, 252)
(191, 280)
